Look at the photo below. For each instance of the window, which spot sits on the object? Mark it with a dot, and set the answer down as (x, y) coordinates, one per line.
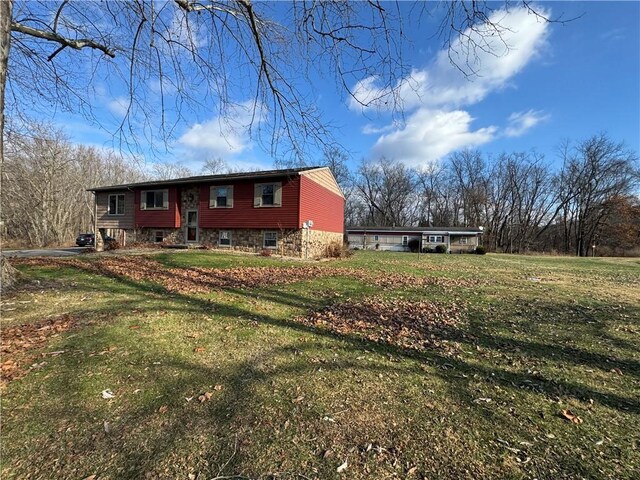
(405, 240)
(225, 238)
(267, 195)
(221, 196)
(463, 240)
(270, 240)
(158, 236)
(116, 204)
(375, 238)
(436, 239)
(154, 200)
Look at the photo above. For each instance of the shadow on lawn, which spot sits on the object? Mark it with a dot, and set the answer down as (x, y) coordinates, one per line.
(145, 438)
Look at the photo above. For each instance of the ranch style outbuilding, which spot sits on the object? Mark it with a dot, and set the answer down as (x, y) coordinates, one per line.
(455, 239)
(294, 212)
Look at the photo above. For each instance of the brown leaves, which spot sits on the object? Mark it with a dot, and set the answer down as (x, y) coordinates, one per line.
(163, 409)
(204, 397)
(204, 280)
(17, 341)
(199, 349)
(569, 415)
(413, 325)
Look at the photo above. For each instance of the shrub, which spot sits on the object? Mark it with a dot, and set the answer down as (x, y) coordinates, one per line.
(377, 246)
(427, 250)
(336, 249)
(441, 249)
(266, 252)
(480, 250)
(414, 245)
(112, 245)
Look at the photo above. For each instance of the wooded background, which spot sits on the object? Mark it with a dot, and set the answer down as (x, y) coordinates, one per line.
(523, 203)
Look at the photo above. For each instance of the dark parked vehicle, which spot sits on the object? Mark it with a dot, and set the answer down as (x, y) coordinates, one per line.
(88, 239)
(85, 239)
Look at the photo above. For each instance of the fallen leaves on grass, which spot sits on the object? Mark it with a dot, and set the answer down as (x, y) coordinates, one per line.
(402, 323)
(18, 341)
(163, 409)
(204, 397)
(569, 415)
(204, 280)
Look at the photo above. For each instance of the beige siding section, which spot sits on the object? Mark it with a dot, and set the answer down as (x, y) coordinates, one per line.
(115, 221)
(324, 177)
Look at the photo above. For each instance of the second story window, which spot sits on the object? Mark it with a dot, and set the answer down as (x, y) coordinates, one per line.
(116, 204)
(221, 196)
(154, 200)
(267, 195)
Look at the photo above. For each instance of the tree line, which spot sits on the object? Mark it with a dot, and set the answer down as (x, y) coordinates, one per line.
(520, 200)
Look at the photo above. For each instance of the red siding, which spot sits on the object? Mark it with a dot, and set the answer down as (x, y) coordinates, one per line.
(321, 205)
(158, 218)
(245, 215)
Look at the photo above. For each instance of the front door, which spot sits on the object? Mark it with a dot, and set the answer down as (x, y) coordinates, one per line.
(192, 226)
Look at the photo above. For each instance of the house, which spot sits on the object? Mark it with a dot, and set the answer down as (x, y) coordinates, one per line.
(239, 211)
(456, 239)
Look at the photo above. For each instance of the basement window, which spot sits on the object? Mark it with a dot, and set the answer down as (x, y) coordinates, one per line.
(224, 239)
(270, 240)
(158, 236)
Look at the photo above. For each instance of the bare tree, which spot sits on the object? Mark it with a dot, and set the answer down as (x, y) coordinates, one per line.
(594, 171)
(388, 189)
(45, 177)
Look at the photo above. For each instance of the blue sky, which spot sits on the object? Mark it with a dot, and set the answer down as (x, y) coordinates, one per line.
(556, 82)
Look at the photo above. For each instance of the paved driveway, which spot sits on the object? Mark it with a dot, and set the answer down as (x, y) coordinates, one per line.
(44, 252)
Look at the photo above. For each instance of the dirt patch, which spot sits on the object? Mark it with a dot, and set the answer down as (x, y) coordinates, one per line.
(203, 280)
(17, 344)
(409, 325)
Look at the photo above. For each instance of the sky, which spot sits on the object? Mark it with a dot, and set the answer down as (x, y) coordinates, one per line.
(556, 81)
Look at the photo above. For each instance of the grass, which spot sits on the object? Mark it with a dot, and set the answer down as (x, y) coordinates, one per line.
(538, 335)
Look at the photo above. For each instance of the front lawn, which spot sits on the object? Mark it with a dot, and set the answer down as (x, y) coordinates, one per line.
(211, 365)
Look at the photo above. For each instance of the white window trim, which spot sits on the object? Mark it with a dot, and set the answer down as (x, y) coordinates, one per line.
(376, 238)
(117, 203)
(220, 238)
(464, 241)
(143, 199)
(264, 239)
(434, 239)
(214, 197)
(405, 240)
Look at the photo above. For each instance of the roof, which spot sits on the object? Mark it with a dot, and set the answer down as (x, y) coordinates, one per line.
(461, 230)
(265, 174)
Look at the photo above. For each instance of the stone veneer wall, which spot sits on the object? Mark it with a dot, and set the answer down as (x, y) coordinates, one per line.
(291, 242)
(148, 235)
(251, 240)
(318, 241)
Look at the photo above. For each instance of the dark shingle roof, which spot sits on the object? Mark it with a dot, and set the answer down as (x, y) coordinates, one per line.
(415, 229)
(208, 178)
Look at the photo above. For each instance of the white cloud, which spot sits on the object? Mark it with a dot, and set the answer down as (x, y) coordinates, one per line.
(521, 122)
(442, 84)
(430, 135)
(223, 136)
(434, 96)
